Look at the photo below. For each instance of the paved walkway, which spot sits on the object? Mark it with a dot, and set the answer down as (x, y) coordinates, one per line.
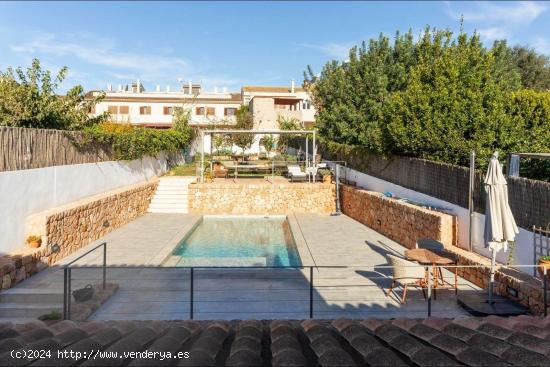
(356, 291)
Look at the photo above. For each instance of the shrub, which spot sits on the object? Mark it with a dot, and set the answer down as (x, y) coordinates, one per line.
(128, 142)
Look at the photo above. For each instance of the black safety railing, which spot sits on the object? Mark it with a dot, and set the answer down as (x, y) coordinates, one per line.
(428, 286)
(67, 278)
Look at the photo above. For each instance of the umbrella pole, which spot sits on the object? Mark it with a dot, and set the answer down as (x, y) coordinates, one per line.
(492, 278)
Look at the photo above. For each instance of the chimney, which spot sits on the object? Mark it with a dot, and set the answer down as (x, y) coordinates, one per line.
(292, 86)
(158, 88)
(190, 91)
(168, 88)
(224, 89)
(120, 87)
(138, 86)
(110, 88)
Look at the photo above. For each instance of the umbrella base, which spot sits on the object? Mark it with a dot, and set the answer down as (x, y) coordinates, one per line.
(476, 304)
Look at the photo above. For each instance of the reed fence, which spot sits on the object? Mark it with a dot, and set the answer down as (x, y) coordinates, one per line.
(23, 148)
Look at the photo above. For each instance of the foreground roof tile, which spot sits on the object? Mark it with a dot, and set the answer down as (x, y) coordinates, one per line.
(343, 342)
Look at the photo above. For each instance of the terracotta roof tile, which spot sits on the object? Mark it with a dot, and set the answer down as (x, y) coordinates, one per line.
(342, 342)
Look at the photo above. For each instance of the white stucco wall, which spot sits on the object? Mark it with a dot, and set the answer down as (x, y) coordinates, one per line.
(26, 192)
(524, 241)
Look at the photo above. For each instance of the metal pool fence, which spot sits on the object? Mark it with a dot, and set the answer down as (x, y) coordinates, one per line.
(225, 292)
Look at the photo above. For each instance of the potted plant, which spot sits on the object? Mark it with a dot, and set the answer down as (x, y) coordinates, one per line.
(326, 174)
(34, 241)
(544, 262)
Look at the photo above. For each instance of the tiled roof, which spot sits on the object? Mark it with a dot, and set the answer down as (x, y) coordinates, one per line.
(520, 341)
(260, 88)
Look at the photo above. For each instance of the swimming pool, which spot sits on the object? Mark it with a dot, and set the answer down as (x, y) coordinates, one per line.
(238, 241)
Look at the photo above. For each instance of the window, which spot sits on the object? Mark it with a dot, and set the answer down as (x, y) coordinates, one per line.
(123, 110)
(210, 111)
(306, 105)
(199, 111)
(145, 110)
(229, 111)
(113, 110)
(171, 110)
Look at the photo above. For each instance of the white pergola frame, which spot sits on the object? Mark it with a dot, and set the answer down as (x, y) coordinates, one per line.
(257, 132)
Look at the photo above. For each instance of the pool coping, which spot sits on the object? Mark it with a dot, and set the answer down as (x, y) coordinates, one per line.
(179, 236)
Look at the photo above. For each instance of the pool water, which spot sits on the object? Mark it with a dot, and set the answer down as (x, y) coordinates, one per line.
(238, 241)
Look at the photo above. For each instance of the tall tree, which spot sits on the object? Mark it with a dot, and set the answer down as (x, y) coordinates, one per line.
(30, 98)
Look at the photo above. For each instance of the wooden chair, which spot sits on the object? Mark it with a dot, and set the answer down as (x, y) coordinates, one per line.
(406, 273)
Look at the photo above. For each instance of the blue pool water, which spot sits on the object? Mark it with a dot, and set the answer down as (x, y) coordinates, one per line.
(238, 241)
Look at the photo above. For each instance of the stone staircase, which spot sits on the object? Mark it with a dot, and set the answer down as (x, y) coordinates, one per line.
(171, 195)
(24, 304)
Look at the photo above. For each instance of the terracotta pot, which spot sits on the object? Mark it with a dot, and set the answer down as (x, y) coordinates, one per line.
(327, 179)
(35, 244)
(545, 264)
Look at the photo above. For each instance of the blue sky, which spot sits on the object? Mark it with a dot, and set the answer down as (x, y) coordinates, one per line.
(229, 44)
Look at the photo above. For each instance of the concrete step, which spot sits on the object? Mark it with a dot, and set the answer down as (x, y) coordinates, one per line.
(168, 207)
(171, 189)
(22, 310)
(172, 195)
(30, 296)
(171, 210)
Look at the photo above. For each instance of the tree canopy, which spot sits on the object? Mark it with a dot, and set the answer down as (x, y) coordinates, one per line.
(29, 98)
(436, 97)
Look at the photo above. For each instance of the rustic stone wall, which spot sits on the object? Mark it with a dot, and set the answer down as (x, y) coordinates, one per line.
(529, 289)
(73, 226)
(402, 222)
(261, 198)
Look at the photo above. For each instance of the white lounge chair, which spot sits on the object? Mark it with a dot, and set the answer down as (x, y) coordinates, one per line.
(296, 174)
(406, 273)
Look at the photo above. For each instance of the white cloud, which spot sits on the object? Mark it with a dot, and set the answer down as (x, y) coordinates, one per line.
(521, 12)
(339, 51)
(103, 52)
(493, 33)
(542, 45)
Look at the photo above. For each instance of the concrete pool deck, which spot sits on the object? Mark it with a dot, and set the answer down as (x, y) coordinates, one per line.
(356, 291)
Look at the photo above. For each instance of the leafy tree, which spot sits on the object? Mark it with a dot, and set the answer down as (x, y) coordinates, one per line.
(29, 98)
(268, 142)
(534, 68)
(437, 97)
(286, 123)
(244, 122)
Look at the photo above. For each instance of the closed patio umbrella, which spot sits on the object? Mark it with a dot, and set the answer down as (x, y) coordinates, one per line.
(500, 226)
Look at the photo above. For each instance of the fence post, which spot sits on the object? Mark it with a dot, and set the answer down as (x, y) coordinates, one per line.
(311, 292)
(191, 296)
(68, 293)
(545, 290)
(104, 263)
(429, 293)
(471, 199)
(65, 293)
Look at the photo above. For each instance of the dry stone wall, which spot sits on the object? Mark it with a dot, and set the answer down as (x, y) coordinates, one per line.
(74, 226)
(262, 198)
(400, 221)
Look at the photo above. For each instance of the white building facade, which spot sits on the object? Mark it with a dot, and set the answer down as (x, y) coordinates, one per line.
(133, 104)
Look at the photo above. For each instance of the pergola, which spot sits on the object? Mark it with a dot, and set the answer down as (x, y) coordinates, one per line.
(256, 132)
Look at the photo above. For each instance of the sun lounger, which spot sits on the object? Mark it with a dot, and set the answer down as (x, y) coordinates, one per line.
(296, 174)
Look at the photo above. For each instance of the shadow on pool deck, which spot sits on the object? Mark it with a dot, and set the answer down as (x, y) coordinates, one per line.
(356, 291)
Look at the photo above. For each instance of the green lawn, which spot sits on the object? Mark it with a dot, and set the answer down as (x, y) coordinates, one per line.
(188, 169)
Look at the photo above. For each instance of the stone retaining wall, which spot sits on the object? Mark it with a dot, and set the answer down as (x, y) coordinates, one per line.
(529, 289)
(404, 223)
(74, 226)
(400, 221)
(261, 198)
